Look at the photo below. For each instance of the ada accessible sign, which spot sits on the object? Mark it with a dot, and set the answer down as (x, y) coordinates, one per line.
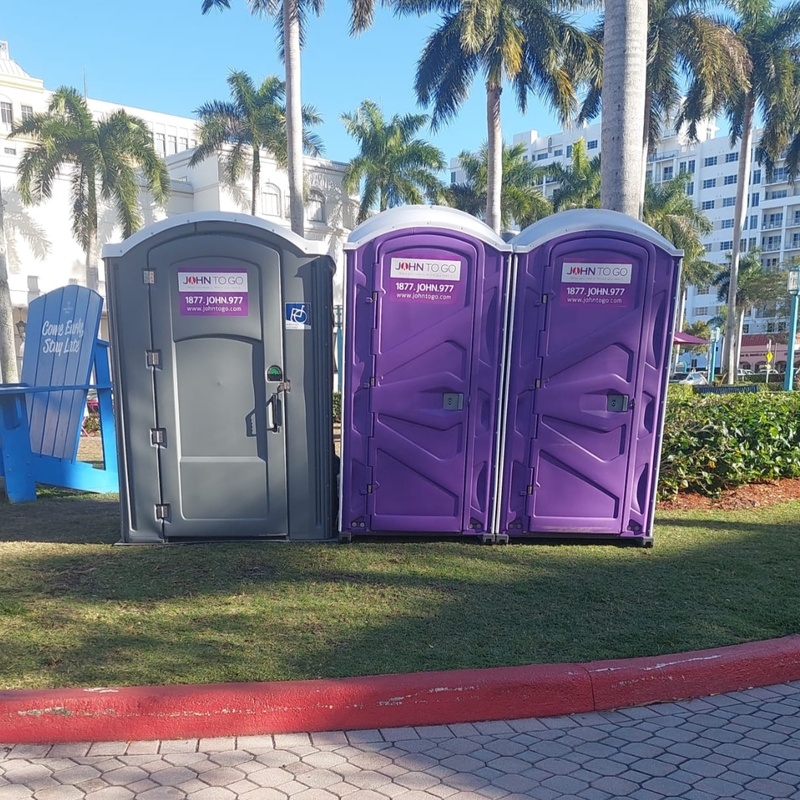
(589, 284)
(298, 317)
(213, 293)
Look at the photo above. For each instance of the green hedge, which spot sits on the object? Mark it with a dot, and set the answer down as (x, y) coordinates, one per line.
(337, 406)
(715, 442)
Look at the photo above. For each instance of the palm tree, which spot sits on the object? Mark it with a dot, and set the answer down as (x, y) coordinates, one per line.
(686, 48)
(624, 73)
(670, 211)
(8, 355)
(103, 156)
(756, 285)
(529, 43)
(770, 38)
(254, 119)
(578, 182)
(291, 17)
(522, 201)
(395, 167)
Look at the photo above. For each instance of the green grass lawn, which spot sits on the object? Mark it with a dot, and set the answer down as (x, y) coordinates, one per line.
(76, 611)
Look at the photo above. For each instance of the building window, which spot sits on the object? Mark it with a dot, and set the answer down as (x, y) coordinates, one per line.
(707, 204)
(183, 144)
(569, 151)
(702, 289)
(730, 179)
(711, 161)
(669, 173)
(271, 201)
(10, 151)
(709, 183)
(754, 198)
(541, 156)
(6, 114)
(159, 139)
(756, 177)
(27, 112)
(452, 177)
(771, 243)
(701, 311)
(797, 217)
(752, 243)
(773, 220)
(172, 145)
(726, 245)
(727, 223)
(316, 206)
(795, 241)
(779, 175)
(690, 187)
(592, 145)
(559, 152)
(731, 157)
(727, 202)
(778, 194)
(690, 167)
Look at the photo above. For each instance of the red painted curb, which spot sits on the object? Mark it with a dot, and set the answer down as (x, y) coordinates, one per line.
(383, 701)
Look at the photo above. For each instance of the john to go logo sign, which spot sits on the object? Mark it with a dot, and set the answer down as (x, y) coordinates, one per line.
(197, 281)
(425, 268)
(572, 272)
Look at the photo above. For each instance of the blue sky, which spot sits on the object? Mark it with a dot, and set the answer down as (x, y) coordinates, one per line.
(164, 55)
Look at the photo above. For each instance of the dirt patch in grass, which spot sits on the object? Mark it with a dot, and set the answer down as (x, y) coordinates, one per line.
(754, 495)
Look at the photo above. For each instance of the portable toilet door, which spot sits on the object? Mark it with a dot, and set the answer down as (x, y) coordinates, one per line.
(595, 294)
(223, 377)
(425, 302)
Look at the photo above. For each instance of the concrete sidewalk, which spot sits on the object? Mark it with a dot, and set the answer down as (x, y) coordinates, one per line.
(743, 745)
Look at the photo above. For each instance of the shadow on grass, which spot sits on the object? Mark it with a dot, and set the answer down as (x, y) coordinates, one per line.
(245, 612)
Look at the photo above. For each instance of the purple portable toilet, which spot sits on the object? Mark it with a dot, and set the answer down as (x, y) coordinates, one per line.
(425, 292)
(592, 319)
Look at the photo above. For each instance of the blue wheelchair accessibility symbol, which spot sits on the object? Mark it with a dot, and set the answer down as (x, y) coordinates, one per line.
(298, 316)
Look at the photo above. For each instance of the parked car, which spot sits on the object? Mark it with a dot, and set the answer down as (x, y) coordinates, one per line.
(695, 379)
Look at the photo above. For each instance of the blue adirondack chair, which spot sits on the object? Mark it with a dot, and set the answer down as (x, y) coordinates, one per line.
(41, 417)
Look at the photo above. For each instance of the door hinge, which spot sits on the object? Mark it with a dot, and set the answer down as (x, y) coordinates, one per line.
(371, 382)
(158, 436)
(537, 384)
(149, 276)
(162, 511)
(369, 488)
(529, 489)
(544, 299)
(153, 358)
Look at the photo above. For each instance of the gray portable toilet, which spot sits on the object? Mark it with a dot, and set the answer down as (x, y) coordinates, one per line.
(221, 330)
(590, 338)
(425, 291)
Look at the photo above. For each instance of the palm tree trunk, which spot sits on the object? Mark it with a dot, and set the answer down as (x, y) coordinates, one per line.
(624, 70)
(294, 115)
(8, 354)
(92, 246)
(648, 104)
(494, 166)
(732, 337)
(679, 324)
(256, 179)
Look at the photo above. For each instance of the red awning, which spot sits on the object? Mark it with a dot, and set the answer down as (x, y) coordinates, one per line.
(687, 338)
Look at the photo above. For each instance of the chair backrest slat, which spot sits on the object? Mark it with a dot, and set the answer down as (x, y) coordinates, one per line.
(59, 351)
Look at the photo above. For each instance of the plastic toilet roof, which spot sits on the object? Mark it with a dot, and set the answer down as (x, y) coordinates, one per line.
(420, 217)
(307, 246)
(588, 219)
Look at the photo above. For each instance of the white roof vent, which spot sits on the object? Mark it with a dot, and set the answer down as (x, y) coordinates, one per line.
(4, 51)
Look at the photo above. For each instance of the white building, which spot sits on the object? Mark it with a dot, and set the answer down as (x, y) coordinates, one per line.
(42, 254)
(773, 220)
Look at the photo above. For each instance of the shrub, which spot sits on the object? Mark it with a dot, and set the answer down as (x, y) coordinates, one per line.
(337, 406)
(715, 442)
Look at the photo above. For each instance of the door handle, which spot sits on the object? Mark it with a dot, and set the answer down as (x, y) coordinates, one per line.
(275, 407)
(274, 413)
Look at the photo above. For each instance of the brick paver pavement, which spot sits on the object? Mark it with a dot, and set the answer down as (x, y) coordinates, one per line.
(744, 745)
